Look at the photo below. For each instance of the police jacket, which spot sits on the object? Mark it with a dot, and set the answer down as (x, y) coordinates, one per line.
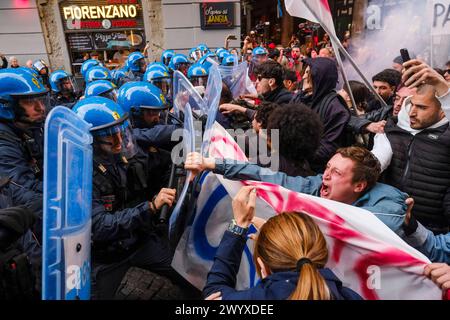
(385, 202)
(420, 166)
(21, 156)
(277, 286)
(121, 213)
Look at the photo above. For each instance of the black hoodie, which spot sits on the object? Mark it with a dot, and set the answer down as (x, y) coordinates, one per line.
(335, 115)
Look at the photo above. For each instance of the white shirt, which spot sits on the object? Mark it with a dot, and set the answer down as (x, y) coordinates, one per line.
(382, 149)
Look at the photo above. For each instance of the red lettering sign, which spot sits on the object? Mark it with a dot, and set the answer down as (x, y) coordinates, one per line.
(91, 24)
(124, 23)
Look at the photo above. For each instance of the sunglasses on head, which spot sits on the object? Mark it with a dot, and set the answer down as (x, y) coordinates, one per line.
(260, 77)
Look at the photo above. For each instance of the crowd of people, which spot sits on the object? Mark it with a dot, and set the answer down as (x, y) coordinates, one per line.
(391, 158)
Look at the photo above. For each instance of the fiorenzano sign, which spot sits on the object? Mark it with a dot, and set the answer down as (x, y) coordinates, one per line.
(100, 12)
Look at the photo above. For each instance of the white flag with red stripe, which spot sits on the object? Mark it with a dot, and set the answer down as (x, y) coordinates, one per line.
(364, 253)
(319, 9)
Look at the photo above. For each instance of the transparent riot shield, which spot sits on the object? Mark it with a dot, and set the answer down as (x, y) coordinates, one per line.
(183, 93)
(212, 100)
(67, 207)
(188, 146)
(236, 78)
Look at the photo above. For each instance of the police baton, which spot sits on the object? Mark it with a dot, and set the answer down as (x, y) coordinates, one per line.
(164, 215)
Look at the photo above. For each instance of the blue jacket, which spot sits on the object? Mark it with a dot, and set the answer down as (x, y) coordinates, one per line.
(277, 286)
(435, 247)
(386, 202)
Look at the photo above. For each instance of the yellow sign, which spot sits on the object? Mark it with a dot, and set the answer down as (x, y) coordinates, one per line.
(218, 19)
(162, 98)
(115, 115)
(100, 12)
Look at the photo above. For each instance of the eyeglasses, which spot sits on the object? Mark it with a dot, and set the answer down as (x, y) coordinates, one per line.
(447, 71)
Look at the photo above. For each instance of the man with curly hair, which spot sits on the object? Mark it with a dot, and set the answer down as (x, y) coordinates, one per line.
(300, 131)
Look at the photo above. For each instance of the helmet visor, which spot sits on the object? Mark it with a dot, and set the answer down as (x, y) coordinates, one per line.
(259, 58)
(31, 109)
(163, 84)
(111, 95)
(183, 67)
(199, 81)
(67, 85)
(116, 140)
(142, 64)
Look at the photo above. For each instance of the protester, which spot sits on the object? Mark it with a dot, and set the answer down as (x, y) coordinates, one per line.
(318, 92)
(385, 83)
(290, 80)
(290, 257)
(416, 146)
(447, 72)
(350, 177)
(13, 62)
(4, 61)
(298, 130)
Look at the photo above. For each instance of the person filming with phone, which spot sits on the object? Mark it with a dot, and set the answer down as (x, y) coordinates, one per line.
(414, 149)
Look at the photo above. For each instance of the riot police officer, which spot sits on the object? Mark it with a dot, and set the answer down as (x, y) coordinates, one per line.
(125, 200)
(179, 62)
(145, 102)
(166, 56)
(136, 65)
(101, 88)
(158, 75)
(64, 89)
(43, 71)
(23, 104)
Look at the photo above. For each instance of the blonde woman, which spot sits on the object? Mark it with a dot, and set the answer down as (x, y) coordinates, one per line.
(290, 256)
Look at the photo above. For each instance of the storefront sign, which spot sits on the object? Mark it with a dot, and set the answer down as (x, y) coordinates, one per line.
(80, 42)
(103, 14)
(217, 15)
(117, 40)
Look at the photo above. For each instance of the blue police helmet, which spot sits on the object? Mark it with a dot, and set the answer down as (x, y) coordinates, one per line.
(193, 54)
(259, 51)
(229, 60)
(156, 73)
(106, 116)
(166, 56)
(219, 50)
(16, 84)
(177, 60)
(90, 63)
(97, 73)
(203, 48)
(118, 75)
(55, 79)
(159, 65)
(134, 96)
(197, 70)
(103, 88)
(134, 61)
(222, 54)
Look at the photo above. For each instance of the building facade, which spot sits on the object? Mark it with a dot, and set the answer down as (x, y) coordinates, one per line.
(62, 32)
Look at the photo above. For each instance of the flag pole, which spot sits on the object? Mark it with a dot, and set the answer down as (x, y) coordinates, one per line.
(334, 39)
(344, 74)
